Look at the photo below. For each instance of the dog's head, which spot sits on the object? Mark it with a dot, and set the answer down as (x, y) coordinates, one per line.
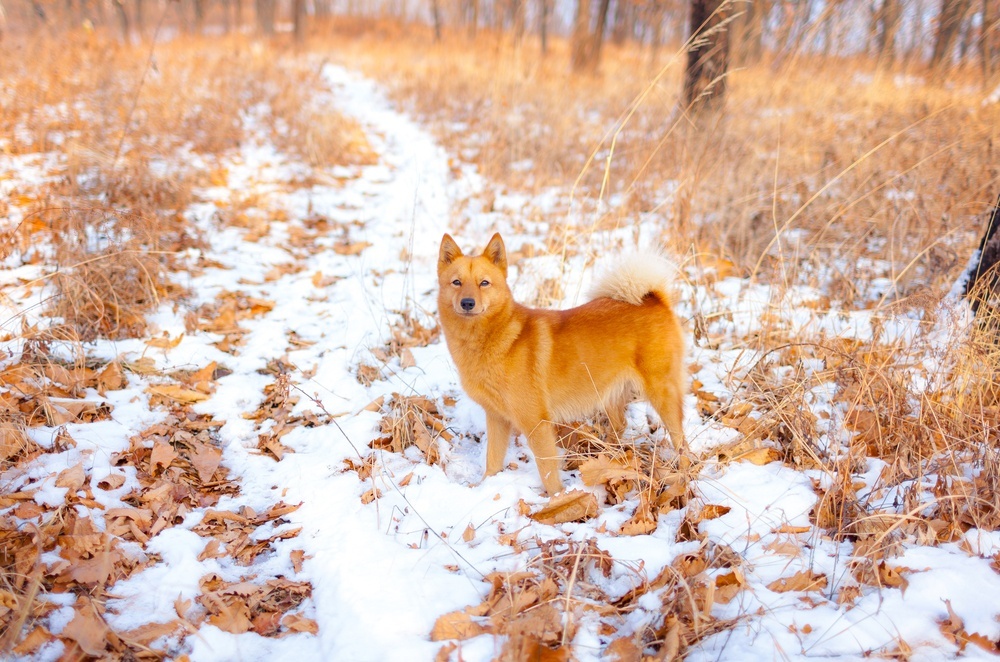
(472, 285)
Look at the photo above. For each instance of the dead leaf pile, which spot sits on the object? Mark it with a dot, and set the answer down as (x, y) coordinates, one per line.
(237, 531)
(412, 420)
(224, 315)
(633, 475)
(264, 608)
(277, 409)
(53, 394)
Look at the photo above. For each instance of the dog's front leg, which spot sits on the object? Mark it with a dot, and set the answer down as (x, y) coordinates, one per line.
(497, 440)
(542, 441)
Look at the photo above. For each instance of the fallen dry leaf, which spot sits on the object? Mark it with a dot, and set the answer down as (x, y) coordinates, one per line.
(572, 506)
(177, 393)
(456, 625)
(87, 629)
(299, 623)
(602, 469)
(72, 478)
(800, 581)
(111, 378)
(165, 342)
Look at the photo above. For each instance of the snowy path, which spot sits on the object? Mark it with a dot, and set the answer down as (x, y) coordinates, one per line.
(371, 602)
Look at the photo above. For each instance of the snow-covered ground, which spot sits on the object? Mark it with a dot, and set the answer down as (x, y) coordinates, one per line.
(389, 542)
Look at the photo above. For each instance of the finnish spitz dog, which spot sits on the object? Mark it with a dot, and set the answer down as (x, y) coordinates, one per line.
(531, 368)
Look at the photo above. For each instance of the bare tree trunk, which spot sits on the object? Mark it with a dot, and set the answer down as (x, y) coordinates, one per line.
(949, 22)
(597, 39)
(238, 15)
(436, 14)
(518, 10)
(543, 25)
(265, 17)
(199, 15)
(708, 55)
(472, 17)
(887, 19)
(746, 32)
(622, 26)
(299, 20)
(581, 35)
(586, 46)
(122, 18)
(990, 40)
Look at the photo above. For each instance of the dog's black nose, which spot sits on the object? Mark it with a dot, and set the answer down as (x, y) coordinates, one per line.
(468, 304)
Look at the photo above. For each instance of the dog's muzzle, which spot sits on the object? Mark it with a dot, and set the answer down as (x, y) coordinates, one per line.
(468, 304)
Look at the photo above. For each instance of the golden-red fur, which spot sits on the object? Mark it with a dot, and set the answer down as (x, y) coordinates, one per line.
(530, 368)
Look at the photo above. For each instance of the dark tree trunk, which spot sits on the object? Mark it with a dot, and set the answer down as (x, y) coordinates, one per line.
(747, 32)
(597, 39)
(140, 17)
(543, 25)
(265, 17)
(586, 46)
(518, 17)
(949, 24)
(581, 34)
(199, 16)
(983, 284)
(122, 18)
(472, 16)
(708, 55)
(990, 40)
(436, 15)
(299, 20)
(887, 26)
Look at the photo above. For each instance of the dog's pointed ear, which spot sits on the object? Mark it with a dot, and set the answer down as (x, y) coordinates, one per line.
(497, 253)
(449, 252)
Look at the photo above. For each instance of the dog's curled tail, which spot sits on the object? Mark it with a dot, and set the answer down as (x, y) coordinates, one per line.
(636, 275)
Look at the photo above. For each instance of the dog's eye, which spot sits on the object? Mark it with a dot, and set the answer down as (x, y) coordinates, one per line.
(484, 283)
(456, 283)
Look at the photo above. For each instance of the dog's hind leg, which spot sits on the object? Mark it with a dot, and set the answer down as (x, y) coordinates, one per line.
(497, 441)
(615, 410)
(666, 396)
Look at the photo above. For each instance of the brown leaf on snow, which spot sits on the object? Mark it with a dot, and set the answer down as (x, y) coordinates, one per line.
(299, 623)
(146, 634)
(205, 460)
(231, 617)
(87, 629)
(177, 393)
(163, 454)
(800, 581)
(456, 625)
(111, 482)
(111, 378)
(642, 522)
(602, 469)
(72, 478)
(350, 248)
(297, 556)
(728, 585)
(712, 511)
(572, 506)
(469, 534)
(165, 341)
(33, 641)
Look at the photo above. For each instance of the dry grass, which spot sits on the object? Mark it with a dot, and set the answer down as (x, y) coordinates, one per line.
(838, 164)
